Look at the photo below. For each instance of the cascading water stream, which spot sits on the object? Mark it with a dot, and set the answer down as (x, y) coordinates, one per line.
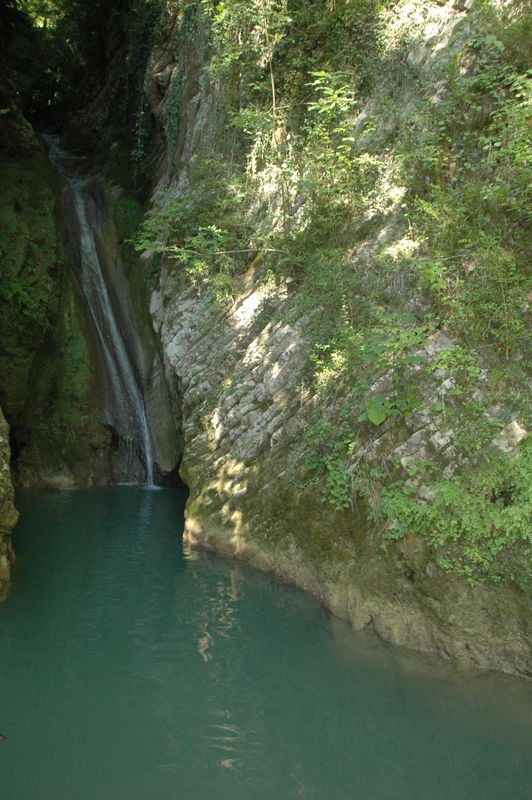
(126, 411)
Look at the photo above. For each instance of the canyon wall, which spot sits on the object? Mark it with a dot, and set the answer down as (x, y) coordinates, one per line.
(243, 420)
(288, 474)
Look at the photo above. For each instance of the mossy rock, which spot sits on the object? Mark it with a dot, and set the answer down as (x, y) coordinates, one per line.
(32, 262)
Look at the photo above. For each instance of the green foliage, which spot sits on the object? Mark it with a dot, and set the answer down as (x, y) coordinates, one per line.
(475, 230)
(478, 522)
(205, 231)
(341, 36)
(379, 409)
(140, 25)
(187, 27)
(127, 217)
(246, 32)
(63, 59)
(43, 13)
(31, 261)
(69, 36)
(322, 457)
(466, 160)
(332, 171)
(28, 247)
(466, 165)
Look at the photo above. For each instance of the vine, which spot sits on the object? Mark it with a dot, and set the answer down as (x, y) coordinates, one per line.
(142, 23)
(187, 28)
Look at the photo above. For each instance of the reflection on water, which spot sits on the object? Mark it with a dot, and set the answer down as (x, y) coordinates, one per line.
(131, 667)
(218, 615)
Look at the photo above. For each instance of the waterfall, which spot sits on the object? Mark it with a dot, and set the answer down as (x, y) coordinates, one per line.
(126, 411)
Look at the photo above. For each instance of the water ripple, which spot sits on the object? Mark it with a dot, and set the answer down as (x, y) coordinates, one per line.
(129, 671)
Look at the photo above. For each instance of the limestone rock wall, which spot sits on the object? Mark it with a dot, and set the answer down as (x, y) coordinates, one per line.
(239, 375)
(50, 389)
(243, 419)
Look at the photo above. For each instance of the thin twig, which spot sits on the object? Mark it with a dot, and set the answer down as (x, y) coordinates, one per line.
(177, 250)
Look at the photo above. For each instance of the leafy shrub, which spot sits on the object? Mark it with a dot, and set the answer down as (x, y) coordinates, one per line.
(478, 523)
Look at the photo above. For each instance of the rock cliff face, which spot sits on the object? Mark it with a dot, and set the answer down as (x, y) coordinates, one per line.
(241, 373)
(243, 421)
(50, 390)
(8, 513)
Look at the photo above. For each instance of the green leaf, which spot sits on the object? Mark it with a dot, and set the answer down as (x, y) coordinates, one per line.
(377, 413)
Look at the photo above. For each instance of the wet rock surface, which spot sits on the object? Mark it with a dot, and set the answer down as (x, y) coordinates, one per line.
(8, 512)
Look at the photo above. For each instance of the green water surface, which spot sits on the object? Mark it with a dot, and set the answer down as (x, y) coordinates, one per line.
(131, 669)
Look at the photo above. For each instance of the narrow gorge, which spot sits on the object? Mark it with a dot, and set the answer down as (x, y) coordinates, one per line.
(285, 262)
